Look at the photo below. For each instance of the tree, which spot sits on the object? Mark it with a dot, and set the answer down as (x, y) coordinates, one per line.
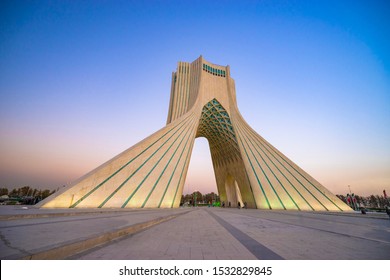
(381, 201)
(14, 193)
(46, 193)
(3, 191)
(373, 202)
(24, 191)
(211, 197)
(197, 196)
(187, 198)
(35, 192)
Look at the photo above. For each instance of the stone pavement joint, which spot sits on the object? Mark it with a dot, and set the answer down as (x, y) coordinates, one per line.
(68, 250)
(9, 245)
(194, 236)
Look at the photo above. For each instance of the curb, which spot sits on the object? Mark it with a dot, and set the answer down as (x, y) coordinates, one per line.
(68, 250)
(60, 214)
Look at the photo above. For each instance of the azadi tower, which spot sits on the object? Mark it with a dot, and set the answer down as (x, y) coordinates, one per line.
(247, 168)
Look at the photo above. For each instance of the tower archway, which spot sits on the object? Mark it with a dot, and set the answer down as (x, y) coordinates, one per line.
(216, 126)
(200, 176)
(233, 193)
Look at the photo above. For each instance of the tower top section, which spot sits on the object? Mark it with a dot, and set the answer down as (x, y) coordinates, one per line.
(214, 69)
(190, 81)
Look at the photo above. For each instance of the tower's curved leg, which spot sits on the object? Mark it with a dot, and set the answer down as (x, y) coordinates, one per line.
(278, 182)
(149, 174)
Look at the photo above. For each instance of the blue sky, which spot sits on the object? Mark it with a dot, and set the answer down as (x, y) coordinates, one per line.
(80, 81)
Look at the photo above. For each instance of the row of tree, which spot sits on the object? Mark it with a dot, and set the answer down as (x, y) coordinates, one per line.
(199, 198)
(24, 195)
(372, 201)
(30, 195)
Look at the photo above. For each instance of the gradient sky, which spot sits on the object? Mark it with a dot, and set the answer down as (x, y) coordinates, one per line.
(81, 81)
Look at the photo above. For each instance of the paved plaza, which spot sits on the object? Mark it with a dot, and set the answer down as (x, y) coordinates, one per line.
(191, 233)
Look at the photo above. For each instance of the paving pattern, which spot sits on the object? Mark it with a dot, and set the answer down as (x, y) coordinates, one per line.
(199, 233)
(270, 235)
(195, 235)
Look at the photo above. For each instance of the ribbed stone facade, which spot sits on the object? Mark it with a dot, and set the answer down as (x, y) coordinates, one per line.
(247, 168)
